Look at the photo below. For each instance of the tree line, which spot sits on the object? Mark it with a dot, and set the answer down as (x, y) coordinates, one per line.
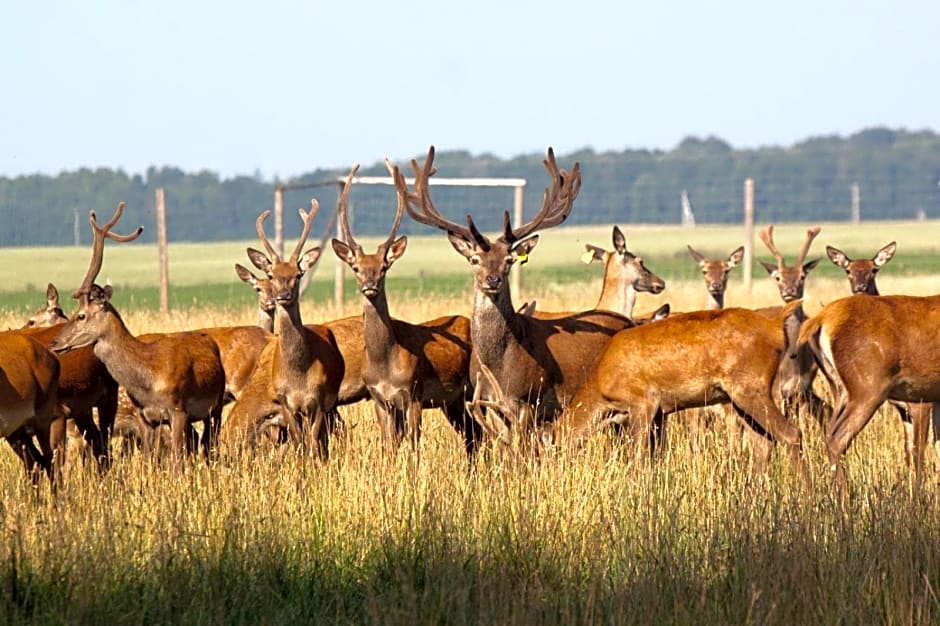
(897, 173)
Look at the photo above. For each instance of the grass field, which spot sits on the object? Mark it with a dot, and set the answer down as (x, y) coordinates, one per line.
(586, 537)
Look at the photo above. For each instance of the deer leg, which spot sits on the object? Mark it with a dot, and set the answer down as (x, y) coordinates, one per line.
(755, 404)
(843, 429)
(33, 460)
(935, 423)
(463, 423)
(920, 426)
(181, 432)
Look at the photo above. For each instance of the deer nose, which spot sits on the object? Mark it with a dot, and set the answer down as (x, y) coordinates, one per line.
(715, 287)
(283, 295)
(493, 281)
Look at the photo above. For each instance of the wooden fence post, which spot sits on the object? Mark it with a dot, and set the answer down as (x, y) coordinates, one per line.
(162, 256)
(748, 233)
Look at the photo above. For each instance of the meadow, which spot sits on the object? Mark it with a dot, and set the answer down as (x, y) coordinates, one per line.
(593, 536)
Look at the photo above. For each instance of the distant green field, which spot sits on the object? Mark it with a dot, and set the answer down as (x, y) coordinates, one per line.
(202, 273)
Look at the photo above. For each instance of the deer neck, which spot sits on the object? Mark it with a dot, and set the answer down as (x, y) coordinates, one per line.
(291, 338)
(126, 358)
(266, 320)
(617, 300)
(715, 301)
(494, 325)
(377, 328)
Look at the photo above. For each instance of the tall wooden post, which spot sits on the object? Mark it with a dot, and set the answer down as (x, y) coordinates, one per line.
(339, 274)
(855, 215)
(162, 256)
(515, 274)
(279, 220)
(748, 232)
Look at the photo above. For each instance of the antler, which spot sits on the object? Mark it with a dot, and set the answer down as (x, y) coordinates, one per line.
(308, 222)
(343, 206)
(767, 236)
(259, 226)
(556, 205)
(427, 213)
(400, 211)
(810, 235)
(100, 233)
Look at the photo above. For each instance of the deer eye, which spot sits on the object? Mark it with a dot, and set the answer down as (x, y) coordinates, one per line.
(80, 317)
(474, 260)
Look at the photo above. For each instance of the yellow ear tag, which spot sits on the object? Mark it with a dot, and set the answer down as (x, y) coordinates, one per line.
(522, 259)
(587, 257)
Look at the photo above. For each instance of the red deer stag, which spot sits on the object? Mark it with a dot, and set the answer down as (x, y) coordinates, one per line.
(687, 361)
(299, 373)
(861, 274)
(871, 350)
(539, 363)
(795, 381)
(175, 378)
(716, 272)
(408, 366)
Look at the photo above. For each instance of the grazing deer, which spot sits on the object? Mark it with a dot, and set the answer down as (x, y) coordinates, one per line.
(84, 382)
(861, 274)
(539, 363)
(686, 361)
(716, 272)
(175, 378)
(299, 373)
(871, 350)
(408, 366)
(795, 380)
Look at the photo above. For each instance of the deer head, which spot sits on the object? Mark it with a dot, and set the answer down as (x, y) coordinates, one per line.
(285, 275)
(790, 280)
(622, 267)
(369, 269)
(52, 314)
(492, 260)
(861, 272)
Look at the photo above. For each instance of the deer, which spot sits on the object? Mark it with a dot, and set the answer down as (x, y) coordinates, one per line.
(795, 381)
(175, 378)
(408, 366)
(874, 349)
(716, 272)
(625, 275)
(861, 274)
(540, 363)
(29, 380)
(299, 373)
(688, 360)
(84, 383)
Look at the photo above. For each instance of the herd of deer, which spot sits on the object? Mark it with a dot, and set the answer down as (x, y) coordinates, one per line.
(521, 378)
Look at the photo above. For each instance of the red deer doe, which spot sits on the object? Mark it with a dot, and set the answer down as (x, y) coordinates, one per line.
(408, 366)
(861, 274)
(871, 350)
(29, 378)
(175, 378)
(716, 272)
(539, 363)
(299, 373)
(688, 360)
(795, 381)
(84, 382)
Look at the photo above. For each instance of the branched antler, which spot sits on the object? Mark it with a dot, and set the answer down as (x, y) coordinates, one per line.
(100, 233)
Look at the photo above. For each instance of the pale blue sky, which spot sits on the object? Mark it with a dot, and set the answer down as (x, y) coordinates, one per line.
(284, 87)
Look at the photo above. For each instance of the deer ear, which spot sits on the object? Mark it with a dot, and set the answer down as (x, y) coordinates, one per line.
(885, 254)
(259, 260)
(620, 243)
(343, 251)
(309, 258)
(245, 275)
(395, 250)
(837, 256)
(461, 245)
(593, 254)
(52, 296)
(770, 267)
(100, 294)
(522, 249)
(697, 256)
(808, 266)
(735, 257)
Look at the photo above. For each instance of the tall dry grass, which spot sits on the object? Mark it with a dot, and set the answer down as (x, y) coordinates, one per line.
(594, 536)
